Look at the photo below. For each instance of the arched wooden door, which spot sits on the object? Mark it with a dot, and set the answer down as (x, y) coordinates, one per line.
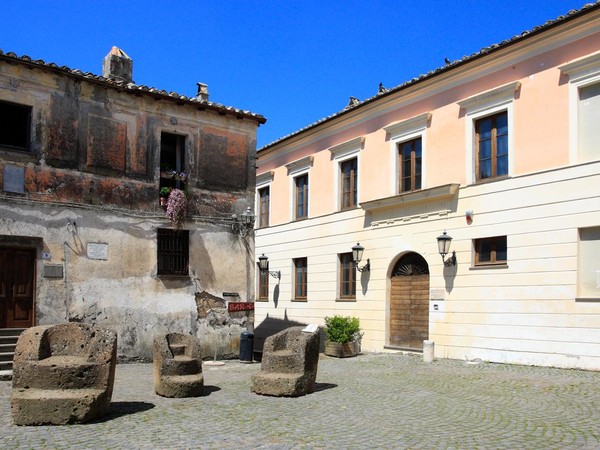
(409, 302)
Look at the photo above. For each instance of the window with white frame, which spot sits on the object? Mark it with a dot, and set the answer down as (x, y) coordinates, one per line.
(347, 159)
(588, 264)
(299, 173)
(489, 119)
(263, 199)
(584, 108)
(407, 139)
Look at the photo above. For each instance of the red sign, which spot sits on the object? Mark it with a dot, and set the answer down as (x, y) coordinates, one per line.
(240, 306)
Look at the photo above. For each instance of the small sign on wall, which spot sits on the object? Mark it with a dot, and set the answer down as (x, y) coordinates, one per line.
(436, 294)
(240, 306)
(14, 179)
(96, 250)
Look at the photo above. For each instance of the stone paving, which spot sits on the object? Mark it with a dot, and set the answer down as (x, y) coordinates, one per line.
(370, 401)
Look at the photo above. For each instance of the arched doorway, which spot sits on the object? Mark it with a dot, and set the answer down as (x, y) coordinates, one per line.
(409, 302)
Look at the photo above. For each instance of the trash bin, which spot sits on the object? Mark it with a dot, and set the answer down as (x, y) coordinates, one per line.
(247, 347)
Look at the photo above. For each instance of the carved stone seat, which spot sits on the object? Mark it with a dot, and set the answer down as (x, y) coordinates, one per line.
(289, 364)
(178, 366)
(63, 374)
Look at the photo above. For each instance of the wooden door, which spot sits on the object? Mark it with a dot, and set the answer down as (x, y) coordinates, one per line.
(409, 303)
(17, 268)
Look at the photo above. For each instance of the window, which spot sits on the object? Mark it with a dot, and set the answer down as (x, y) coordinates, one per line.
(584, 107)
(15, 122)
(263, 212)
(345, 172)
(300, 281)
(588, 118)
(588, 268)
(489, 119)
(347, 277)
(263, 284)
(172, 163)
(492, 146)
(490, 251)
(410, 165)
(349, 177)
(173, 252)
(301, 196)
(407, 142)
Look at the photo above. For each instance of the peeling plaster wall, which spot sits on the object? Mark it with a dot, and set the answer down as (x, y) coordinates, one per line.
(91, 175)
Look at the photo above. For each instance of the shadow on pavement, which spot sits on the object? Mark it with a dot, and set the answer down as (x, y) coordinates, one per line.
(119, 409)
(210, 389)
(324, 386)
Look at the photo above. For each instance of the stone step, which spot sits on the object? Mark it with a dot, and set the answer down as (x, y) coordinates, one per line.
(6, 365)
(11, 331)
(7, 347)
(6, 375)
(7, 356)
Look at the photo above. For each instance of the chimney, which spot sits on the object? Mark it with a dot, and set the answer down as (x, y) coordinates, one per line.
(202, 92)
(117, 66)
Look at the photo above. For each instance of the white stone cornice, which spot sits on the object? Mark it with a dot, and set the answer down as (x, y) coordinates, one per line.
(582, 67)
(345, 148)
(300, 165)
(409, 125)
(500, 94)
(264, 178)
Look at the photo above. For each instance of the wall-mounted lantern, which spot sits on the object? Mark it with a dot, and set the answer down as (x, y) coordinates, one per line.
(263, 265)
(357, 253)
(244, 224)
(444, 248)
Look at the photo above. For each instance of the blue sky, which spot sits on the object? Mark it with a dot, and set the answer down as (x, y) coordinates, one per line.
(294, 62)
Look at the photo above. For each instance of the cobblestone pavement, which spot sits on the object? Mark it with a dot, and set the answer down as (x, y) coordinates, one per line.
(370, 401)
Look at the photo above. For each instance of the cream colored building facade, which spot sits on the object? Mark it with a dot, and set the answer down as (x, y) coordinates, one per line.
(502, 151)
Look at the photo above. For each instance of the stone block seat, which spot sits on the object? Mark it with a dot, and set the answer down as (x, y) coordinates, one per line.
(289, 364)
(63, 374)
(178, 366)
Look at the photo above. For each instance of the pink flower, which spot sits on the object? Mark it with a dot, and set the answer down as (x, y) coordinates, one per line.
(177, 207)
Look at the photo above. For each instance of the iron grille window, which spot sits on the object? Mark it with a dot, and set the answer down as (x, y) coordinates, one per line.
(173, 251)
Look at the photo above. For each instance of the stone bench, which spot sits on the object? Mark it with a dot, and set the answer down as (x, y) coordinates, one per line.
(63, 374)
(178, 366)
(289, 364)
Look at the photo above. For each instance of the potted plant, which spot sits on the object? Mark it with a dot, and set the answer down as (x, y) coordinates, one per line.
(177, 205)
(343, 336)
(163, 195)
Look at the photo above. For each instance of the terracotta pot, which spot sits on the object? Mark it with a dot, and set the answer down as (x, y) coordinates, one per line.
(341, 350)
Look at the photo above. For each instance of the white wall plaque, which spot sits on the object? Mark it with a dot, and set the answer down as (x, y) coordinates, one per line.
(436, 294)
(14, 179)
(97, 250)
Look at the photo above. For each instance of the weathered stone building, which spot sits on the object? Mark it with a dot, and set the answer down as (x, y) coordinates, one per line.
(83, 236)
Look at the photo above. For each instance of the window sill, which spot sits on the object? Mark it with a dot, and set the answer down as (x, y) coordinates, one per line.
(489, 266)
(299, 300)
(18, 155)
(587, 300)
(262, 300)
(345, 300)
(492, 179)
(172, 275)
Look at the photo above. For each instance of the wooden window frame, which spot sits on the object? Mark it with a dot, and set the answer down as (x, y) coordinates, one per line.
(349, 197)
(300, 273)
(493, 257)
(263, 284)
(301, 190)
(347, 277)
(412, 160)
(264, 206)
(16, 126)
(173, 252)
(494, 146)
